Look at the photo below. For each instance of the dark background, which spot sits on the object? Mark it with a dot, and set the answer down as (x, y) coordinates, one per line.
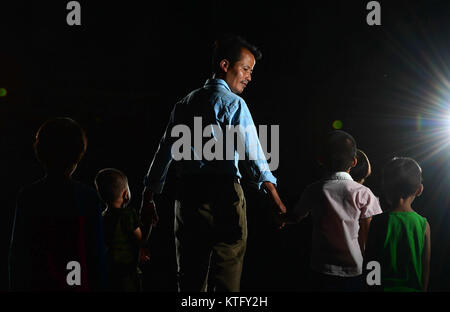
(122, 70)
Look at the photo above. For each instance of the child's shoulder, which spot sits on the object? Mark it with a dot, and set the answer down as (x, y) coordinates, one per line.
(130, 212)
(355, 187)
(126, 212)
(412, 215)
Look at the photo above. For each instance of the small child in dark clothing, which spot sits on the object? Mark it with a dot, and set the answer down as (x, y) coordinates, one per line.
(123, 235)
(57, 222)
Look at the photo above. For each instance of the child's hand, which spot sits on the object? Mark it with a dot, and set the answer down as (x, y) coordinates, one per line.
(144, 255)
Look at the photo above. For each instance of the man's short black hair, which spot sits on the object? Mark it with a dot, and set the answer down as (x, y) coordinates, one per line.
(229, 47)
(110, 184)
(60, 143)
(361, 170)
(339, 151)
(402, 177)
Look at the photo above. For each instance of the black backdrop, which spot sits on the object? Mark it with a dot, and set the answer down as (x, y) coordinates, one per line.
(121, 71)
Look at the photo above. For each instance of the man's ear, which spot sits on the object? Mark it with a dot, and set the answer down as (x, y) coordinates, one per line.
(419, 191)
(224, 65)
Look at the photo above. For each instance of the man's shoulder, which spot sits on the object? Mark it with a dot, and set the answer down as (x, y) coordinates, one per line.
(219, 92)
(214, 95)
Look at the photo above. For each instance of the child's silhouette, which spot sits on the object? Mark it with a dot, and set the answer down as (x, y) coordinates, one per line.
(57, 219)
(124, 232)
(340, 208)
(399, 239)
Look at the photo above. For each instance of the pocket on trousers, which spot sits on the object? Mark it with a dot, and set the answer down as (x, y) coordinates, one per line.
(227, 216)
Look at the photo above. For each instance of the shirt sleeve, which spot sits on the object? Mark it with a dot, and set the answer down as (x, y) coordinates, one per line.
(254, 155)
(157, 173)
(368, 203)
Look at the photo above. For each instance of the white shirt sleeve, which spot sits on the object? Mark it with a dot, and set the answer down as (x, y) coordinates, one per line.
(368, 203)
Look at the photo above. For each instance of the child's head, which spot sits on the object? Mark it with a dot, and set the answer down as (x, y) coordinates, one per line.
(339, 151)
(112, 187)
(402, 178)
(60, 144)
(362, 169)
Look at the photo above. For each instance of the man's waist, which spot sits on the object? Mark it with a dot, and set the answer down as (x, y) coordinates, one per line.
(208, 178)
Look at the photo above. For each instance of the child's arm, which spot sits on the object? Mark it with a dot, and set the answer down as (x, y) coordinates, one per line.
(364, 225)
(426, 258)
(144, 253)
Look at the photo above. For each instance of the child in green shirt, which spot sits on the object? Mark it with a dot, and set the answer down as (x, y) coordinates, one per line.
(399, 239)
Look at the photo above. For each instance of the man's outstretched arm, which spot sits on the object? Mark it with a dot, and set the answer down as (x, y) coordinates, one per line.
(280, 208)
(271, 189)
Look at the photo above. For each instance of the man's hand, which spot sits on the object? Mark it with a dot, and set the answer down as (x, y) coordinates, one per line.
(280, 208)
(148, 208)
(274, 195)
(280, 221)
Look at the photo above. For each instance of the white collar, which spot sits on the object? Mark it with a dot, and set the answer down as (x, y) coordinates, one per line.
(341, 175)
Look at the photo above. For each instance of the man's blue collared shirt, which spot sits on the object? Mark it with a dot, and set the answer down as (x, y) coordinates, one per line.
(220, 109)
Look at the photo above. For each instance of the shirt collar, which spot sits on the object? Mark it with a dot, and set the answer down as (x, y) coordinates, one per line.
(341, 175)
(217, 82)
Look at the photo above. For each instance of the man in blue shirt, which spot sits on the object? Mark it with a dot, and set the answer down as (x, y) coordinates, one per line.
(210, 216)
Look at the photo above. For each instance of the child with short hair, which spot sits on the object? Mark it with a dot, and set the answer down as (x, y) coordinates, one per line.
(399, 239)
(57, 223)
(360, 173)
(123, 235)
(338, 206)
(363, 169)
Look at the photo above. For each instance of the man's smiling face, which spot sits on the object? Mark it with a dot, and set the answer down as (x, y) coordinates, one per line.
(240, 74)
